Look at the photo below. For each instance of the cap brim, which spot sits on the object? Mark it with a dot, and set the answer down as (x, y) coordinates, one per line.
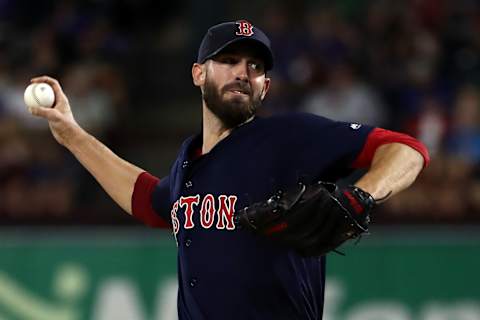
(266, 52)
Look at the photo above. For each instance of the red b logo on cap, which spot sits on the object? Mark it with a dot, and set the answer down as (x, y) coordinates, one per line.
(245, 28)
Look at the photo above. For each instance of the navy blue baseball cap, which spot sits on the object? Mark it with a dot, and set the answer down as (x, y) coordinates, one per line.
(224, 34)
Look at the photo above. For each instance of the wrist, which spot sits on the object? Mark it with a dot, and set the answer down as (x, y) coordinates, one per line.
(73, 137)
(379, 192)
(357, 200)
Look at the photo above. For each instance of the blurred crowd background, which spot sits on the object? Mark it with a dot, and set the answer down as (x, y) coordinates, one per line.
(411, 66)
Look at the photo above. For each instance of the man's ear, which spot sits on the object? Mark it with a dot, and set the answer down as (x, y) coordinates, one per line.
(198, 74)
(266, 86)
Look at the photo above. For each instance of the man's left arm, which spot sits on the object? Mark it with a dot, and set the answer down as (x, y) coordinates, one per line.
(394, 160)
(394, 167)
(315, 219)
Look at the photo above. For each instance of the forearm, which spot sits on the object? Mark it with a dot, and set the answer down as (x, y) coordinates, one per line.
(115, 175)
(394, 168)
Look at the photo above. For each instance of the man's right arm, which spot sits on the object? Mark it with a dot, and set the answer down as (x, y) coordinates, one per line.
(114, 174)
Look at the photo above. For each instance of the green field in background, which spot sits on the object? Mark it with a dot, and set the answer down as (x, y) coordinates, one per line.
(102, 274)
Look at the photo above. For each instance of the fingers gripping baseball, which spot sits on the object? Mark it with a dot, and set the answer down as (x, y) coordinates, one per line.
(59, 116)
(47, 113)
(61, 101)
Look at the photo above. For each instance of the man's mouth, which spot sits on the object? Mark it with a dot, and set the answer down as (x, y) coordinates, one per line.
(240, 92)
(238, 89)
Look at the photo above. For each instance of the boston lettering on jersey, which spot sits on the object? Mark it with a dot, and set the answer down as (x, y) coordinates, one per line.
(212, 210)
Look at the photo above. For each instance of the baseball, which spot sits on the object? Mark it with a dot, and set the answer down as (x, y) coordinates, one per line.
(39, 95)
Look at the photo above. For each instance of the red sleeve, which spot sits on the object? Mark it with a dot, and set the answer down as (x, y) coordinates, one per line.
(142, 201)
(379, 137)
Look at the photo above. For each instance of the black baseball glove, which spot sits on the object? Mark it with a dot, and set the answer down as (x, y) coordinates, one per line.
(312, 219)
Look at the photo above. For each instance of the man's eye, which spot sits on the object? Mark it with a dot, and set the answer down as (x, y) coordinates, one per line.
(228, 60)
(256, 66)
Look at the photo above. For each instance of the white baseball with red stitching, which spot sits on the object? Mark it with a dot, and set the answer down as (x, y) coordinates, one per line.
(39, 95)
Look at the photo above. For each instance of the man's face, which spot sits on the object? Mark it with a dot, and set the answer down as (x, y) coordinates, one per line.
(235, 85)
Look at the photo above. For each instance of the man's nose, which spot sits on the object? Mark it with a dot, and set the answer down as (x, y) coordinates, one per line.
(241, 71)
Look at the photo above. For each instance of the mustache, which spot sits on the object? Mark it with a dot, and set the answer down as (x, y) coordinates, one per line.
(240, 86)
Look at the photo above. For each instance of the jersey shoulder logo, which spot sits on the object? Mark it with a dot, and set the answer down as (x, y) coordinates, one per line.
(245, 28)
(355, 126)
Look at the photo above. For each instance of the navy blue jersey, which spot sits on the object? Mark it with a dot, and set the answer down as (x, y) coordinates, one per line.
(228, 273)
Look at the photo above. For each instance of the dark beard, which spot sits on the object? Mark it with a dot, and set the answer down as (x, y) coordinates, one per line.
(234, 111)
